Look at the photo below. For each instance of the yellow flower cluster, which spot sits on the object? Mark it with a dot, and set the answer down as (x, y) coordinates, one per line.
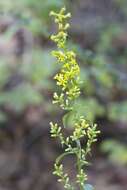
(80, 129)
(68, 77)
(60, 19)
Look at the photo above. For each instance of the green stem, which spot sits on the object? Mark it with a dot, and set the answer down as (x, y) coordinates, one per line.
(79, 155)
(62, 156)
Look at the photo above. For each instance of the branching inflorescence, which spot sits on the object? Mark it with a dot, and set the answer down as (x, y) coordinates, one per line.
(68, 81)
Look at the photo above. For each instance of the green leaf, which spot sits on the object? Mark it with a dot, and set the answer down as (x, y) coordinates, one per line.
(62, 156)
(88, 187)
(89, 107)
(66, 118)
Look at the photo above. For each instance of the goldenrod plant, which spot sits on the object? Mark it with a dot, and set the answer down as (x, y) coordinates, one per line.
(68, 82)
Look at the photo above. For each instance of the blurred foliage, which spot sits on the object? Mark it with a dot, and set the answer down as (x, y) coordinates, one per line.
(117, 151)
(34, 14)
(122, 4)
(118, 109)
(19, 98)
(25, 82)
(33, 79)
(39, 71)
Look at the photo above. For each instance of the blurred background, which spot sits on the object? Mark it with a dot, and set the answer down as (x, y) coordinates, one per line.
(98, 35)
